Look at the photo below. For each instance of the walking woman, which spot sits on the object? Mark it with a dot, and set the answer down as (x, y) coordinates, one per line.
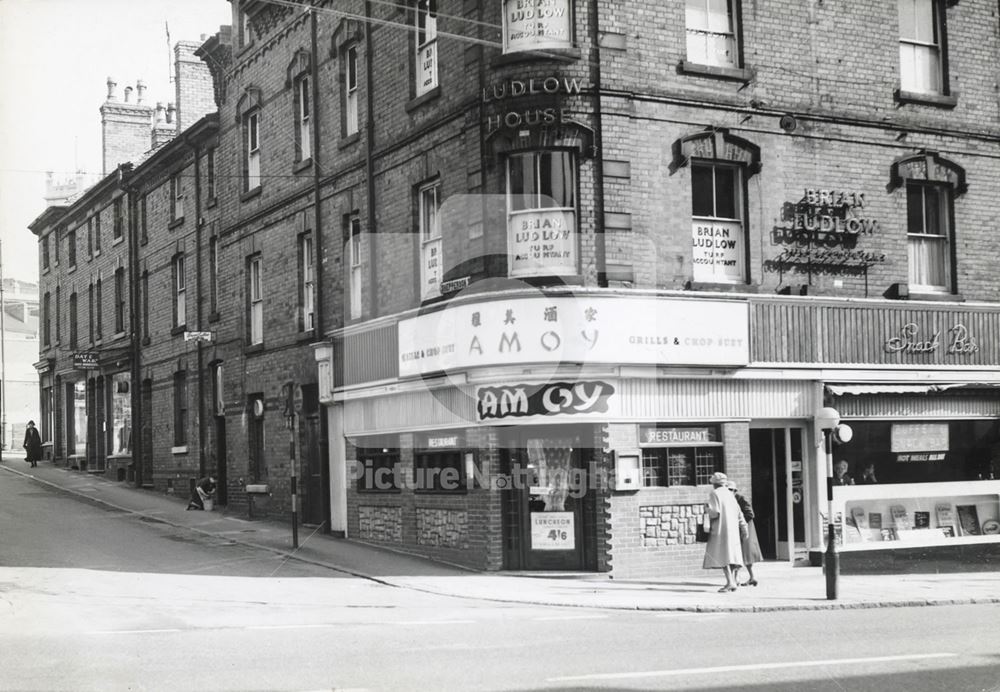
(32, 444)
(749, 543)
(723, 549)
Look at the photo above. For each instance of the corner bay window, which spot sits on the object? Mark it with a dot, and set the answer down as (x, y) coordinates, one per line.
(541, 213)
(928, 211)
(376, 469)
(673, 456)
(717, 234)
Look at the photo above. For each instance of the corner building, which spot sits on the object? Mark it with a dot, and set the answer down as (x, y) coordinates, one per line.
(541, 268)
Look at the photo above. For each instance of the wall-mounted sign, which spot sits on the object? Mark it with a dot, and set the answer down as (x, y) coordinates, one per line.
(427, 66)
(542, 242)
(552, 399)
(925, 456)
(652, 435)
(918, 437)
(819, 234)
(631, 330)
(552, 531)
(957, 341)
(547, 113)
(454, 285)
(717, 250)
(85, 360)
(432, 269)
(536, 25)
(443, 442)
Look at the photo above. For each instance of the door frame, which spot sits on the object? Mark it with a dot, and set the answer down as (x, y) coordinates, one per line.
(806, 430)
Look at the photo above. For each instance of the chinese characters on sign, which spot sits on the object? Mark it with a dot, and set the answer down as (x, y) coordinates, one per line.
(642, 331)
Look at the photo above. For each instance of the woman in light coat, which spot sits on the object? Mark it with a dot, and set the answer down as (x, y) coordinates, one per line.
(724, 549)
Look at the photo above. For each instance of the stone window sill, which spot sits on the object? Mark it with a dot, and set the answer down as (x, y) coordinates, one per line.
(934, 100)
(254, 348)
(212, 201)
(303, 165)
(180, 449)
(739, 74)
(250, 194)
(117, 240)
(213, 316)
(179, 329)
(936, 297)
(175, 223)
(349, 140)
(418, 101)
(533, 56)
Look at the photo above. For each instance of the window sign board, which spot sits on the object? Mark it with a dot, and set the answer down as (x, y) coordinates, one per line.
(542, 243)
(566, 329)
(536, 24)
(919, 437)
(552, 531)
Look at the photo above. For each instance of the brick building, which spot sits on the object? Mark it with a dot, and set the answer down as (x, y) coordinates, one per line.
(531, 271)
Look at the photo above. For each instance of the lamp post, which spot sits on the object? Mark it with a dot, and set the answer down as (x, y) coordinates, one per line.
(828, 419)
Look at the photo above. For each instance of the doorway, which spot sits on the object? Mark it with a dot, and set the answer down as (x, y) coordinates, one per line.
(546, 524)
(221, 463)
(776, 465)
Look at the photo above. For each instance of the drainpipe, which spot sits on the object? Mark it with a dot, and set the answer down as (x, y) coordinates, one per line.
(600, 252)
(124, 183)
(369, 159)
(198, 224)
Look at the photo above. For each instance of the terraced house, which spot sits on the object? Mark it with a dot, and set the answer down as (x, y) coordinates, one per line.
(503, 283)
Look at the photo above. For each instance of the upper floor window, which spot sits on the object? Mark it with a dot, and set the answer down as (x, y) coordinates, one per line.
(921, 46)
(307, 288)
(58, 315)
(354, 260)
(90, 312)
(98, 305)
(144, 285)
(213, 273)
(541, 193)
(180, 292)
(718, 235)
(255, 300)
(245, 29)
(45, 252)
(119, 301)
(71, 247)
(143, 220)
(90, 238)
(176, 197)
(712, 33)
(47, 318)
(251, 127)
(431, 266)
(210, 175)
(97, 232)
(532, 26)
(928, 234)
(303, 134)
(427, 72)
(180, 408)
(118, 218)
(351, 91)
(72, 320)
(55, 243)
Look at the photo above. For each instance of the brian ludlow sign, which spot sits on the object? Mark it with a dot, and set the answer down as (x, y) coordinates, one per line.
(634, 331)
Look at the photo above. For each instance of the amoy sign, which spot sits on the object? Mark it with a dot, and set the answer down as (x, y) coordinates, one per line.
(552, 399)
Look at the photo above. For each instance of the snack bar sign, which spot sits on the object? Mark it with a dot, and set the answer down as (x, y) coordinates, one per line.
(633, 331)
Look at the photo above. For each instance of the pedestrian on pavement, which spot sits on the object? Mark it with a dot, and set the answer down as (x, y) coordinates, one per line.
(748, 543)
(203, 490)
(32, 444)
(723, 549)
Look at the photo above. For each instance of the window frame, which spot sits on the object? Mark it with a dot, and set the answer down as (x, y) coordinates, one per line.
(251, 151)
(733, 36)
(45, 253)
(352, 115)
(90, 313)
(176, 192)
(439, 459)
(426, 44)
(47, 324)
(118, 219)
(145, 303)
(179, 276)
(381, 458)
(210, 192)
(739, 207)
(97, 233)
(909, 83)
(180, 409)
(213, 273)
(944, 193)
(355, 251)
(73, 325)
(307, 283)
(303, 118)
(255, 300)
(71, 248)
(99, 299)
(119, 301)
(429, 234)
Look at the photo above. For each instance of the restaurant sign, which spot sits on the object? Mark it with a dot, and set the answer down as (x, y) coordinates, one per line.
(552, 399)
(561, 329)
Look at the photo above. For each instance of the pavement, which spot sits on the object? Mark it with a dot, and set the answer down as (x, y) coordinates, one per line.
(782, 586)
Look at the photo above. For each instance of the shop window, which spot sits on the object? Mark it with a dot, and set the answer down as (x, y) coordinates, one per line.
(180, 291)
(354, 258)
(677, 456)
(377, 472)
(257, 467)
(117, 219)
(921, 47)
(928, 232)
(440, 471)
(431, 265)
(303, 127)
(541, 193)
(71, 248)
(537, 26)
(77, 419)
(351, 91)
(180, 409)
(712, 33)
(119, 301)
(718, 236)
(307, 283)
(121, 415)
(255, 300)
(427, 46)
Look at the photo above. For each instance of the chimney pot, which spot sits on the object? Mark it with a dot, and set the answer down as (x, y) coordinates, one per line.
(170, 112)
(160, 112)
(111, 88)
(128, 94)
(140, 89)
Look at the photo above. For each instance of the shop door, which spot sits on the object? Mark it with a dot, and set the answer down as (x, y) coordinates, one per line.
(548, 497)
(778, 491)
(221, 475)
(312, 512)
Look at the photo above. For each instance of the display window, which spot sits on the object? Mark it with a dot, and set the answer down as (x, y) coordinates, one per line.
(121, 415)
(680, 455)
(377, 469)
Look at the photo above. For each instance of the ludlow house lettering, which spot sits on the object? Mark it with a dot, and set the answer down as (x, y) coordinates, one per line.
(533, 115)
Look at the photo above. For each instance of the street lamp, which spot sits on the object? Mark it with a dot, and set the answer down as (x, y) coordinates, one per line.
(828, 419)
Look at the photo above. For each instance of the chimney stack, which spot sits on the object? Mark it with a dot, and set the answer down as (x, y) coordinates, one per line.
(140, 90)
(164, 128)
(195, 91)
(124, 128)
(170, 113)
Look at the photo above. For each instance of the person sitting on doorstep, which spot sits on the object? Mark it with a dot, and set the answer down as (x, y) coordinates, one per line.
(203, 489)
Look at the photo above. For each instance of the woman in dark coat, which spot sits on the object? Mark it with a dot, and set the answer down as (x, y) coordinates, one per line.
(32, 444)
(748, 542)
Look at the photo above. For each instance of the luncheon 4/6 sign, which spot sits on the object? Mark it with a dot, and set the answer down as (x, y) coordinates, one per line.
(552, 531)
